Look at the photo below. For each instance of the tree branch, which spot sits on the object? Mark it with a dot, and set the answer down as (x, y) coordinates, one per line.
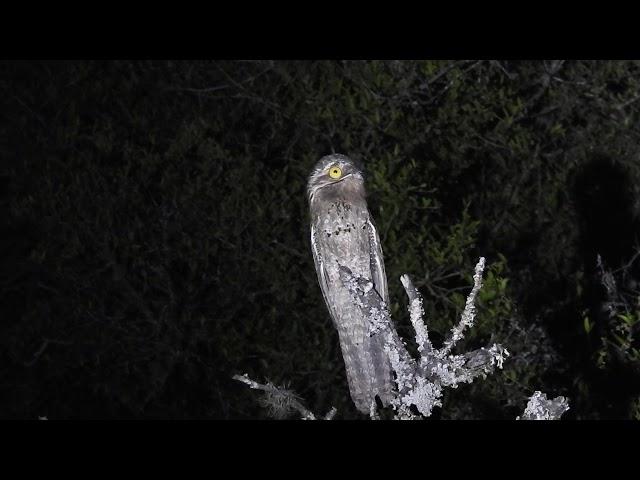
(540, 408)
(280, 401)
(420, 384)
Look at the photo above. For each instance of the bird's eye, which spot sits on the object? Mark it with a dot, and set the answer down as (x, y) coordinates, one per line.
(335, 172)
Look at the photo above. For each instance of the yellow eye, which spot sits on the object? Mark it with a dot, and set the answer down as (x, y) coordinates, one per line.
(335, 172)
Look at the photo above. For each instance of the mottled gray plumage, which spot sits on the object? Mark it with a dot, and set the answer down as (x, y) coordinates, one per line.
(342, 233)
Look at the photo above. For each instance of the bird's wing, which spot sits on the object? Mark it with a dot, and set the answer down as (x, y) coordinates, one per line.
(378, 274)
(323, 277)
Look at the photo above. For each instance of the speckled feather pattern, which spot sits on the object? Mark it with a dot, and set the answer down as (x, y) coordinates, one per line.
(343, 234)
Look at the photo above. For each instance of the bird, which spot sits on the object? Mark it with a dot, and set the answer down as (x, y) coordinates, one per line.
(343, 234)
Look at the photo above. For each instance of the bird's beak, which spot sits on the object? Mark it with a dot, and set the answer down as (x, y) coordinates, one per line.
(355, 176)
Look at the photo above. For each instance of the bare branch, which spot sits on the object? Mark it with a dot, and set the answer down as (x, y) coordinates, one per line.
(45, 343)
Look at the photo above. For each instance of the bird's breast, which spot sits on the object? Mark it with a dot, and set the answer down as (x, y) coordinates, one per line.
(344, 237)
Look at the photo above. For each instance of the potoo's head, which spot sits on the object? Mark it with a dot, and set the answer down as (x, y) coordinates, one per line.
(333, 175)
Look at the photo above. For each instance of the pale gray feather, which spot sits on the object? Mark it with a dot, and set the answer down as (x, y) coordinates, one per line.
(378, 273)
(342, 233)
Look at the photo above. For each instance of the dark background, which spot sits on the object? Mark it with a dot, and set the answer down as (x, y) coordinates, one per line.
(154, 228)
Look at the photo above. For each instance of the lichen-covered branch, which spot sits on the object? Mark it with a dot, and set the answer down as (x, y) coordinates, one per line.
(469, 314)
(416, 314)
(282, 402)
(379, 317)
(541, 408)
(420, 383)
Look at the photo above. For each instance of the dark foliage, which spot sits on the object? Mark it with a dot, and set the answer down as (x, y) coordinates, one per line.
(155, 240)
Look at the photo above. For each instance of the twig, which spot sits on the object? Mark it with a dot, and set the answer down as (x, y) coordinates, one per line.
(43, 347)
(416, 312)
(282, 401)
(469, 313)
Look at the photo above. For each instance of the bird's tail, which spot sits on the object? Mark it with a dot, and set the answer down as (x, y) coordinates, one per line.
(368, 370)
